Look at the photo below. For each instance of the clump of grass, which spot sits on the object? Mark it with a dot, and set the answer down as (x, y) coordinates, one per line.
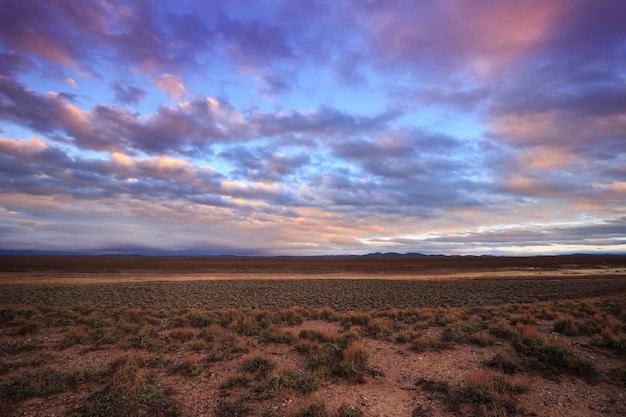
(459, 331)
(353, 318)
(236, 381)
(379, 328)
(522, 318)
(354, 363)
(74, 336)
(316, 409)
(27, 327)
(403, 337)
(181, 335)
(482, 340)
(39, 383)
(320, 357)
(129, 391)
(238, 408)
(561, 356)
(248, 324)
(346, 339)
(348, 411)
(329, 359)
(275, 335)
(506, 363)
(199, 319)
(258, 364)
(19, 346)
(612, 339)
(479, 387)
(325, 313)
(292, 316)
(427, 342)
(226, 347)
(536, 353)
(274, 383)
(190, 366)
(502, 329)
(319, 335)
(488, 391)
(211, 333)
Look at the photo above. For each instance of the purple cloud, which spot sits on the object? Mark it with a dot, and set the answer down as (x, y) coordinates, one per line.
(126, 93)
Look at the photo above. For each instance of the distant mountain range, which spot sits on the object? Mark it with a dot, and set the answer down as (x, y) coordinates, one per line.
(148, 252)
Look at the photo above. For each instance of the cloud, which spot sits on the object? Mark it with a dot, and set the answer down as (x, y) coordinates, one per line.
(171, 84)
(127, 93)
(186, 128)
(71, 82)
(479, 39)
(261, 164)
(318, 126)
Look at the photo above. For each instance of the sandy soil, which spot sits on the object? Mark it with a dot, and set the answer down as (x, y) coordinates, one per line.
(60, 277)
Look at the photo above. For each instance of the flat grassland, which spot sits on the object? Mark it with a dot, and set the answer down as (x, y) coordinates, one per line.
(309, 337)
(275, 283)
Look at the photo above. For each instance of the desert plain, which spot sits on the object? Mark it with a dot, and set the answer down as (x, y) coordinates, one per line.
(328, 336)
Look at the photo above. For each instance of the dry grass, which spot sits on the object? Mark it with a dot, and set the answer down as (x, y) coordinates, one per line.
(150, 352)
(203, 337)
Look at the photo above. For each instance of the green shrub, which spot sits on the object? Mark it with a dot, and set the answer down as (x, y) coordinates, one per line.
(129, 392)
(274, 383)
(346, 411)
(236, 381)
(317, 409)
(258, 364)
(505, 363)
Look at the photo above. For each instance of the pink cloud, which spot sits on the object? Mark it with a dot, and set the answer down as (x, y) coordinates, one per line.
(71, 82)
(480, 36)
(171, 84)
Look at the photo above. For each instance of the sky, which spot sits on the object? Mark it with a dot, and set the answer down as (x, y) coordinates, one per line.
(313, 127)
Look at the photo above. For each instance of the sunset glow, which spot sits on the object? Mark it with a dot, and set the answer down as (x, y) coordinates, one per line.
(313, 127)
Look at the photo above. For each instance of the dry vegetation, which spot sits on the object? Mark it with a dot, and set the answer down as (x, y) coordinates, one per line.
(296, 348)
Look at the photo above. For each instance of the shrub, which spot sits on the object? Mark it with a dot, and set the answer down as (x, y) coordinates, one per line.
(563, 357)
(130, 392)
(274, 383)
(346, 411)
(319, 335)
(76, 336)
(19, 346)
(458, 331)
(379, 328)
(565, 324)
(36, 383)
(505, 363)
(236, 381)
(291, 316)
(317, 409)
(427, 342)
(612, 340)
(479, 388)
(181, 335)
(238, 408)
(489, 391)
(257, 364)
(354, 362)
(28, 327)
(190, 367)
(503, 330)
(273, 335)
(482, 340)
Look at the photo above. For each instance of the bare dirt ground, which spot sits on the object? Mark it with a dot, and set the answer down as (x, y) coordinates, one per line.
(336, 298)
